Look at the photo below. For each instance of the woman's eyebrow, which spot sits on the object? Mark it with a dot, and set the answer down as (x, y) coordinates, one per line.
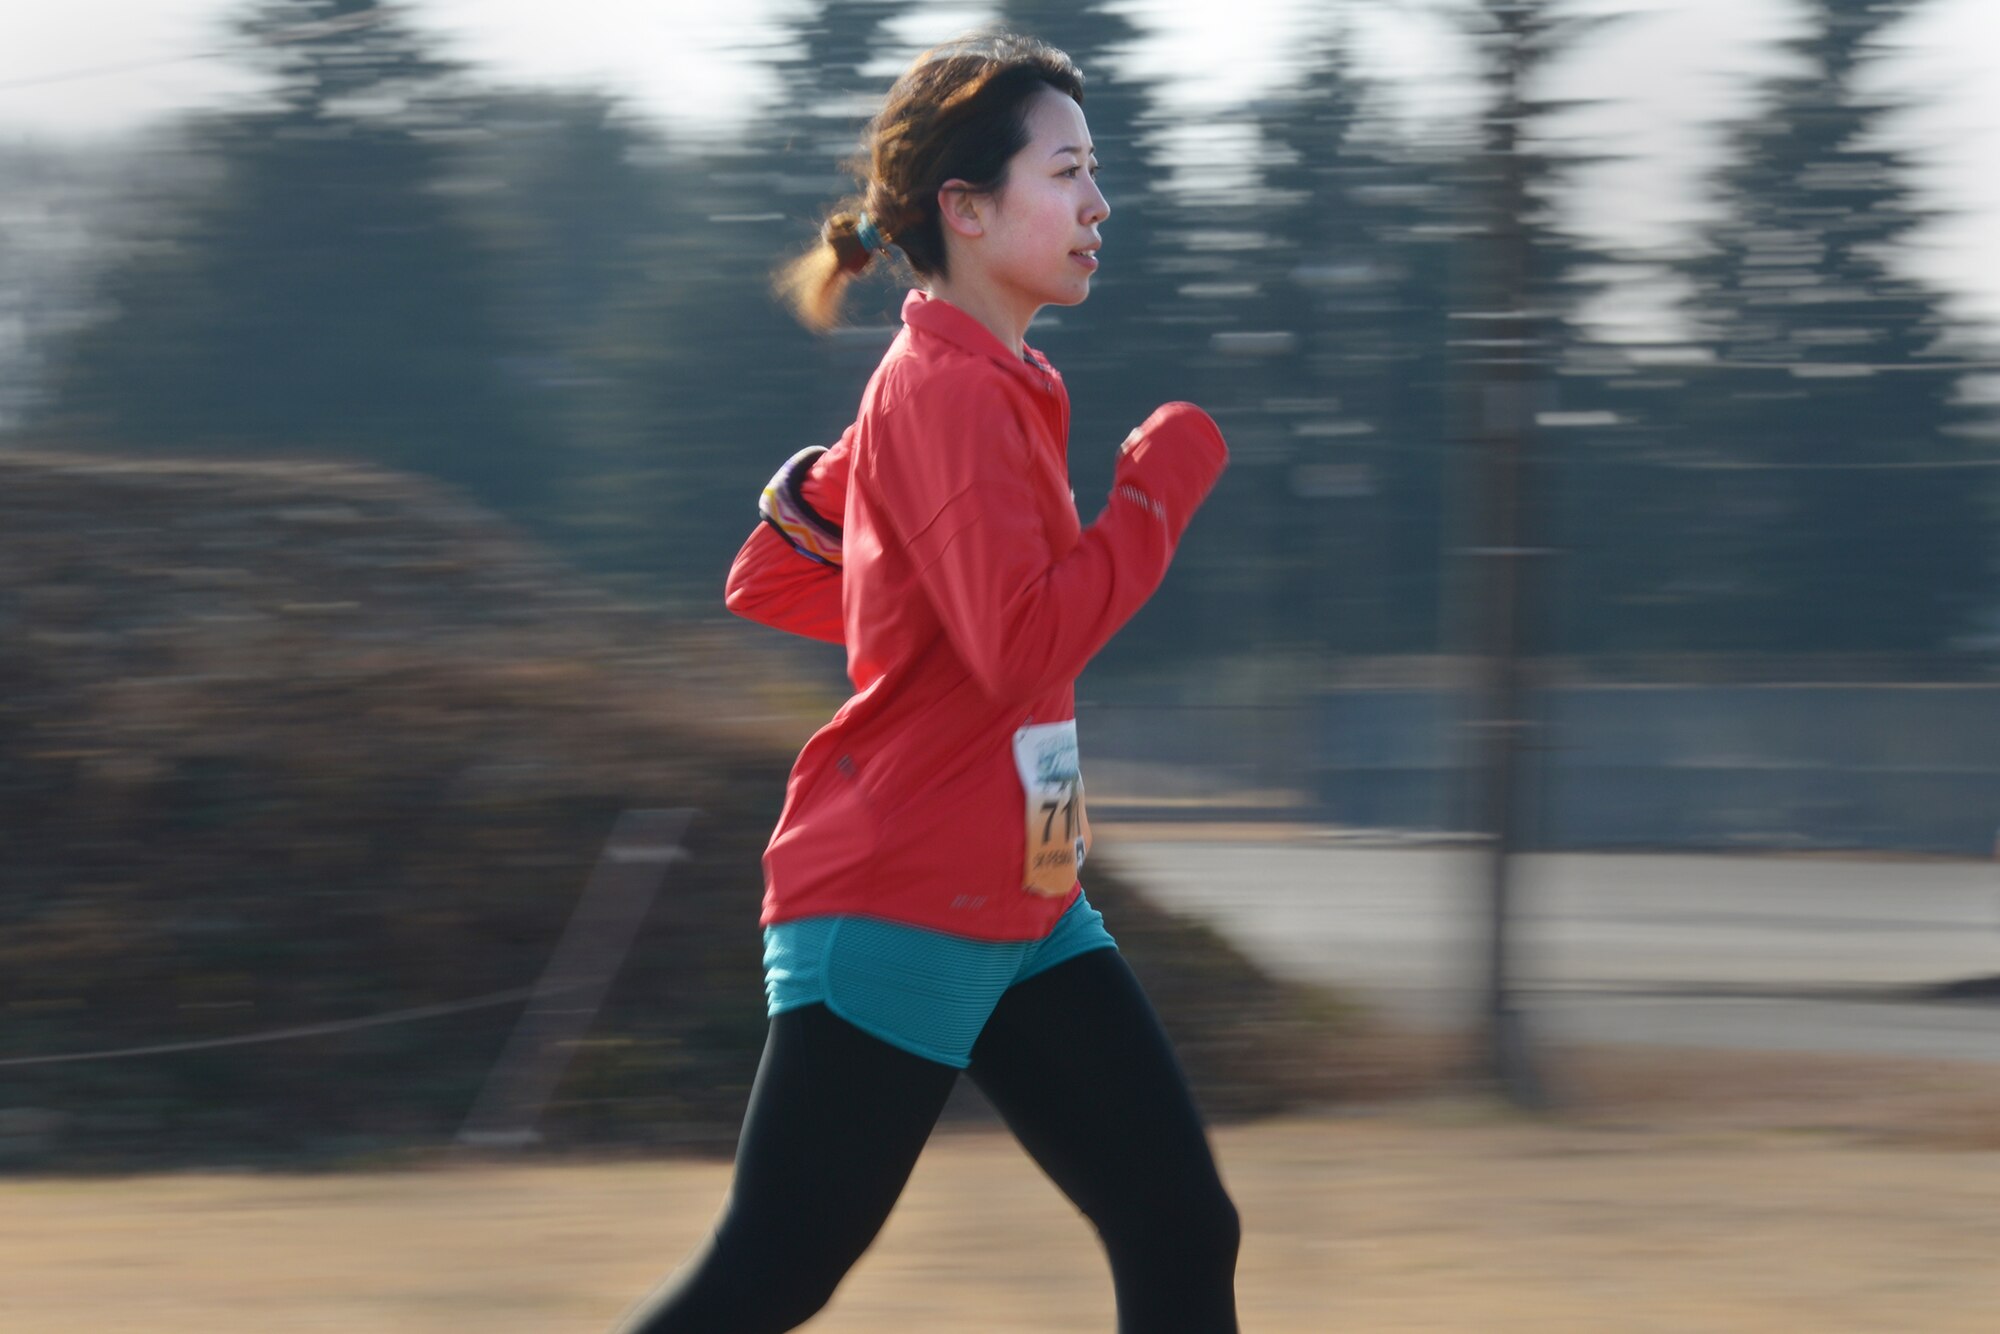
(1072, 148)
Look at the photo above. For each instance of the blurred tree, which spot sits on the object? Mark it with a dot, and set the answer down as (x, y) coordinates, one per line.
(1343, 260)
(585, 207)
(323, 295)
(1618, 506)
(712, 383)
(1329, 290)
(1833, 512)
(572, 186)
(60, 203)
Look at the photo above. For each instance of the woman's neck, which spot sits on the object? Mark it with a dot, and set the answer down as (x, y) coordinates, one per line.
(989, 307)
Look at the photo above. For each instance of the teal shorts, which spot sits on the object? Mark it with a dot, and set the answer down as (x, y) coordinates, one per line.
(927, 992)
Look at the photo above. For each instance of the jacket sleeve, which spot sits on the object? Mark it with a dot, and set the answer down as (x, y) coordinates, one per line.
(965, 506)
(774, 583)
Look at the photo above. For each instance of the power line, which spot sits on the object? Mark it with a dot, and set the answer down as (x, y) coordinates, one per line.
(1837, 370)
(101, 71)
(302, 32)
(289, 1034)
(1749, 465)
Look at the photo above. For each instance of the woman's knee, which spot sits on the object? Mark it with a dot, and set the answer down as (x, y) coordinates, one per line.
(1198, 1227)
(786, 1270)
(1216, 1226)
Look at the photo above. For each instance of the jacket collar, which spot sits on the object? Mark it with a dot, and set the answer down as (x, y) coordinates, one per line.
(937, 317)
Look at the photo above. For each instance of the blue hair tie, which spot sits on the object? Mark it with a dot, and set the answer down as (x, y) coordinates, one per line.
(870, 238)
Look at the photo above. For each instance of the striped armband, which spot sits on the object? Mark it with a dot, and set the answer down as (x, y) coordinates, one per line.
(783, 506)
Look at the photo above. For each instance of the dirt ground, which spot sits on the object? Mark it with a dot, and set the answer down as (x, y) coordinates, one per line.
(1676, 1191)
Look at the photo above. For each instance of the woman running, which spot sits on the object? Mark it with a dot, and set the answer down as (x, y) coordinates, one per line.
(922, 914)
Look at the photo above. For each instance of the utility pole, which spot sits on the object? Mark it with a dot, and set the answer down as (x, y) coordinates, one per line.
(1504, 358)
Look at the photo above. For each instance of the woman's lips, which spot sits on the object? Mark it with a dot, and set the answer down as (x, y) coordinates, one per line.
(1086, 258)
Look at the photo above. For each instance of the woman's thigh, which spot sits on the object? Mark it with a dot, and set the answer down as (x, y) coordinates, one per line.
(1076, 1062)
(836, 1121)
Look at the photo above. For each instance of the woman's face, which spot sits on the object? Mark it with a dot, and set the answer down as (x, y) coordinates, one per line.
(1041, 239)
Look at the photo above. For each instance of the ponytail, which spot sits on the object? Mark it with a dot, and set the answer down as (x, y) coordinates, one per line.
(814, 283)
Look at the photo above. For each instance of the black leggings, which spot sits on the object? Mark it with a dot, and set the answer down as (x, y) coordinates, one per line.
(1076, 1062)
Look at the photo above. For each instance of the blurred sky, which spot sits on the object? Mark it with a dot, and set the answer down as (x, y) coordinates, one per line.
(1667, 80)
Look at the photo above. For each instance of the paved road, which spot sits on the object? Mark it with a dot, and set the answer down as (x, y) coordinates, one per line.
(1805, 954)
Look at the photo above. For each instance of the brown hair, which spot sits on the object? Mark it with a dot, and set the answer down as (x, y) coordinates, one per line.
(959, 112)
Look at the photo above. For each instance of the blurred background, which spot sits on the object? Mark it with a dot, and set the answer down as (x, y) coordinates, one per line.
(385, 389)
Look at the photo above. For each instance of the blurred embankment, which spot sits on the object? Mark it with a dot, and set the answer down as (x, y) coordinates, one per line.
(292, 744)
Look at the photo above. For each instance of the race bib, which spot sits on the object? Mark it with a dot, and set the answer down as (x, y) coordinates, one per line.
(1058, 829)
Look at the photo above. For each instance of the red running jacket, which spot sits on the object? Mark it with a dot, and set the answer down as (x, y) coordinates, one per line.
(969, 597)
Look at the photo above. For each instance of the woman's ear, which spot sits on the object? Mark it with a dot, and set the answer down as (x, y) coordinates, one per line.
(960, 209)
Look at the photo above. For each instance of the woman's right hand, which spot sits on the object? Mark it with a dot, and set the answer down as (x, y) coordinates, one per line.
(1170, 462)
